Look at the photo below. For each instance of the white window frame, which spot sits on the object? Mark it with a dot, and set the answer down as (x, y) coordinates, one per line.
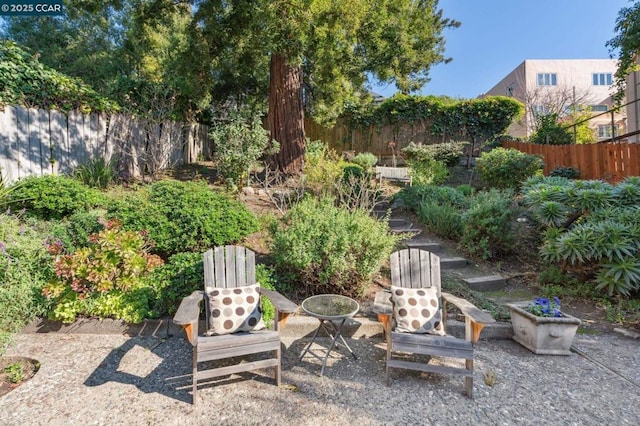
(602, 79)
(600, 108)
(547, 79)
(604, 131)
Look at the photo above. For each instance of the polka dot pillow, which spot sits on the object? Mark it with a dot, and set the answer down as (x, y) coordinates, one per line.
(416, 310)
(234, 309)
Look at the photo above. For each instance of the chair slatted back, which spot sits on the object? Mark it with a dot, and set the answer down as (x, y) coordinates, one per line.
(415, 268)
(229, 267)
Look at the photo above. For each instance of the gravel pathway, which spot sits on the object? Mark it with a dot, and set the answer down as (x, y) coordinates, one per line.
(118, 380)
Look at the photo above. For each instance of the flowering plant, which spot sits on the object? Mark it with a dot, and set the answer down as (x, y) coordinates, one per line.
(543, 307)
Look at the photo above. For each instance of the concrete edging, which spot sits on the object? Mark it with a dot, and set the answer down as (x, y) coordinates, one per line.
(297, 326)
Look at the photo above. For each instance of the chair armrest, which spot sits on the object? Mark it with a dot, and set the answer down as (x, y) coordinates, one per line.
(475, 319)
(468, 309)
(188, 315)
(281, 303)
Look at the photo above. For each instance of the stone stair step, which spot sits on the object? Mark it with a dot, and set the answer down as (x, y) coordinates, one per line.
(486, 283)
(428, 246)
(453, 262)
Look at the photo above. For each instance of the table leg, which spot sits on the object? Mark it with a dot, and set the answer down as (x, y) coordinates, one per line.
(332, 330)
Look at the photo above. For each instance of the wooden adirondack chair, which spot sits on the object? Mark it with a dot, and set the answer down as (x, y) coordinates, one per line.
(224, 268)
(420, 269)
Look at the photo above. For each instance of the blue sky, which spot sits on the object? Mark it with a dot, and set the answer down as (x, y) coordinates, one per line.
(497, 35)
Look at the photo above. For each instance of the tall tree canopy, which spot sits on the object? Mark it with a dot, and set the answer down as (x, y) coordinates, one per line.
(311, 55)
(626, 44)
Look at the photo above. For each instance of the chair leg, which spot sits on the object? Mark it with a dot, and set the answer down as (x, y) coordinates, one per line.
(468, 381)
(387, 373)
(278, 367)
(195, 375)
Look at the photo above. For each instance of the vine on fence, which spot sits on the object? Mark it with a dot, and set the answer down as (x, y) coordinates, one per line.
(484, 118)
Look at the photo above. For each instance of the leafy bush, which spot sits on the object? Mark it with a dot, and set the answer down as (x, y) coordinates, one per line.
(507, 168)
(366, 160)
(323, 167)
(74, 231)
(444, 220)
(486, 230)
(320, 248)
(25, 267)
(448, 153)
(180, 276)
(238, 145)
(550, 131)
(25, 81)
(184, 216)
(428, 172)
(413, 196)
(52, 197)
(265, 276)
(98, 173)
(104, 279)
(567, 172)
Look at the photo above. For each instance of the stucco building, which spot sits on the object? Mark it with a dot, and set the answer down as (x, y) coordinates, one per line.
(559, 86)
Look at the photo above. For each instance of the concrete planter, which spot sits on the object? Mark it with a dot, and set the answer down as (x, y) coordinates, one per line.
(543, 335)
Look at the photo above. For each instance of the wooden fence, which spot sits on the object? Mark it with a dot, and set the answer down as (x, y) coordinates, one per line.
(38, 142)
(607, 161)
(375, 139)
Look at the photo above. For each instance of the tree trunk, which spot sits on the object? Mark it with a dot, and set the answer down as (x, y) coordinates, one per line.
(286, 115)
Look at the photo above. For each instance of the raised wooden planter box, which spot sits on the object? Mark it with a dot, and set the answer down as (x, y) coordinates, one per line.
(543, 335)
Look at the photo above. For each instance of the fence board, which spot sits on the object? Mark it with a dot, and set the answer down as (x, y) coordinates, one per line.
(59, 142)
(8, 151)
(36, 142)
(607, 161)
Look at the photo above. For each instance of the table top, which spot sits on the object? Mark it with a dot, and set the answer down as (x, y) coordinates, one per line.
(330, 306)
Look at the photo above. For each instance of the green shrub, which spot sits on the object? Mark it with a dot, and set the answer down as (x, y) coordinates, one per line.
(465, 189)
(105, 279)
(444, 220)
(550, 131)
(181, 275)
(486, 230)
(74, 231)
(184, 216)
(98, 173)
(265, 276)
(238, 145)
(428, 172)
(352, 171)
(25, 267)
(507, 168)
(448, 153)
(413, 196)
(320, 248)
(366, 160)
(567, 172)
(593, 229)
(323, 167)
(53, 197)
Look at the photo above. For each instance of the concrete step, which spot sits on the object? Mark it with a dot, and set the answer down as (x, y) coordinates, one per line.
(453, 262)
(422, 245)
(486, 283)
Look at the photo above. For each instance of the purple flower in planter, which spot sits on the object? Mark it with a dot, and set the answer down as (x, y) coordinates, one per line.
(543, 307)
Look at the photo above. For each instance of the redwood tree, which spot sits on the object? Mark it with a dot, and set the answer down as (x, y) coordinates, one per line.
(305, 55)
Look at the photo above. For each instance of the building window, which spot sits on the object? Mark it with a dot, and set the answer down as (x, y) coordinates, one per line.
(547, 79)
(604, 131)
(599, 108)
(539, 110)
(602, 79)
